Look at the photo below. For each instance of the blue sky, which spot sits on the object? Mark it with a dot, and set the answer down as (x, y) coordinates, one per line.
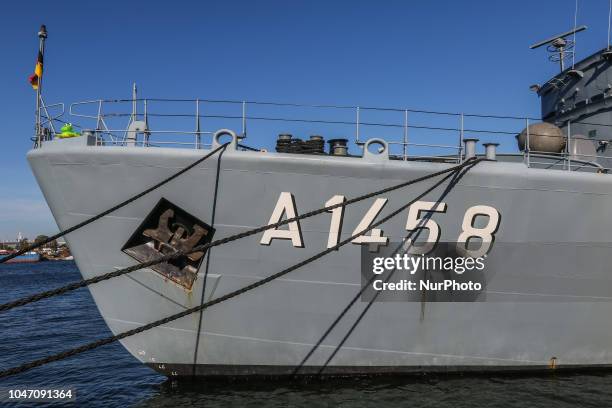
(469, 56)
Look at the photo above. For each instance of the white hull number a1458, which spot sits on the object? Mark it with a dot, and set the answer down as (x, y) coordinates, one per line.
(485, 235)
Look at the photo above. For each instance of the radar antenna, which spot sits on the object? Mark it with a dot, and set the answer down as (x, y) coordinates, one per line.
(559, 46)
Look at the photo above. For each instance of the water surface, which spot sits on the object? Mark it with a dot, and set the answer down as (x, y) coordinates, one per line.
(109, 376)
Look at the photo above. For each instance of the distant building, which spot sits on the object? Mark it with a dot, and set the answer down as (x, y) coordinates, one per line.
(8, 244)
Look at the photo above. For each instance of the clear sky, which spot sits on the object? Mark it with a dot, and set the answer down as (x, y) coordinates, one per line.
(469, 56)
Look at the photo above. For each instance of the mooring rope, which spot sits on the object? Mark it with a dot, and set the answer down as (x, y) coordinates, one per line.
(98, 343)
(165, 258)
(208, 256)
(456, 177)
(112, 209)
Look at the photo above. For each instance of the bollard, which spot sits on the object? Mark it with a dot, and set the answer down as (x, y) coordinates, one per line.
(491, 150)
(470, 148)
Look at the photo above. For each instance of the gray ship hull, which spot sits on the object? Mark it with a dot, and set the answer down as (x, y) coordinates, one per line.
(269, 331)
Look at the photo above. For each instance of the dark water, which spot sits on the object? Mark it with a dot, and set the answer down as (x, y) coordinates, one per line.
(111, 377)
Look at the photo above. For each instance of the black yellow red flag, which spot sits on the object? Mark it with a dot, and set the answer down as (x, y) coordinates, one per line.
(38, 71)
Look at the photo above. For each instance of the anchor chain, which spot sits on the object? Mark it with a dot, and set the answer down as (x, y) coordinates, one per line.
(98, 343)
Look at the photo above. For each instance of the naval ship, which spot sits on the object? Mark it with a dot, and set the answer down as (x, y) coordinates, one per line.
(540, 210)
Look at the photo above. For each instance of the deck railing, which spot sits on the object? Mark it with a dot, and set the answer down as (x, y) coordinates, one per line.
(410, 133)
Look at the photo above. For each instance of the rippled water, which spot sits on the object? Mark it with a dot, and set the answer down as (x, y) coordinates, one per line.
(110, 376)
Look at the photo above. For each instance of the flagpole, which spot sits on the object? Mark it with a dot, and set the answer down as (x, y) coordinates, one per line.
(42, 36)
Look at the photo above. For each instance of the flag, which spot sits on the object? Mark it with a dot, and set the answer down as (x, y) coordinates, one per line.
(38, 71)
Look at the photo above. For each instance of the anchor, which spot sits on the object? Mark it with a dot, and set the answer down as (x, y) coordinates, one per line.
(173, 241)
(167, 230)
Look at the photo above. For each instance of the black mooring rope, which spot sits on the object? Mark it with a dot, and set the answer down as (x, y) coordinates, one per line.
(186, 312)
(165, 258)
(112, 209)
(458, 176)
(208, 256)
(418, 229)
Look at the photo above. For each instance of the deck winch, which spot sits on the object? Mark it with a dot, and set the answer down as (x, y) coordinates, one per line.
(286, 143)
(338, 147)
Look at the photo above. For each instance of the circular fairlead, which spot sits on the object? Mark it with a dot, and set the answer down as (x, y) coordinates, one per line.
(220, 137)
(376, 149)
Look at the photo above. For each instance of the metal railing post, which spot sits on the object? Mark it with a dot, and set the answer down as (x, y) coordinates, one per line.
(244, 124)
(99, 118)
(567, 147)
(146, 121)
(527, 150)
(357, 125)
(460, 154)
(405, 144)
(198, 133)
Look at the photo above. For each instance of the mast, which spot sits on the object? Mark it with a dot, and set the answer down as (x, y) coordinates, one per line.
(42, 36)
(559, 46)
